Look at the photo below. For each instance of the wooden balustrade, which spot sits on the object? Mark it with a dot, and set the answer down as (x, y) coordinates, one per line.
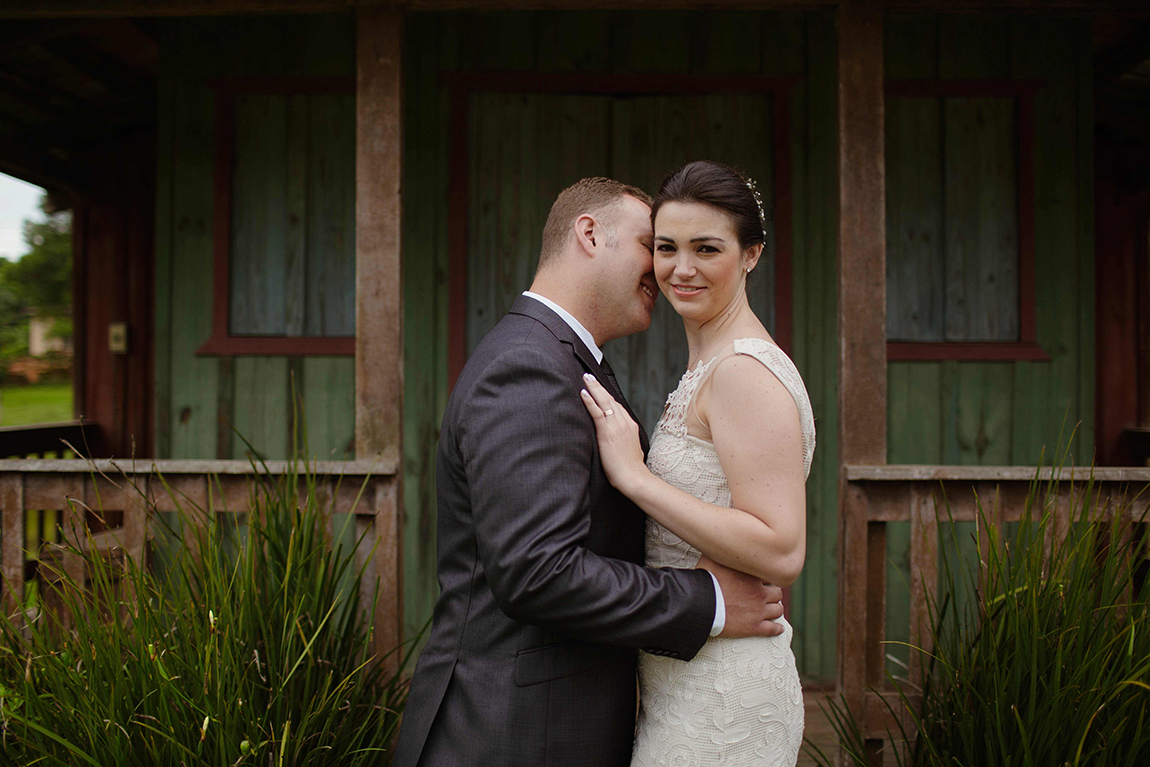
(124, 495)
(924, 496)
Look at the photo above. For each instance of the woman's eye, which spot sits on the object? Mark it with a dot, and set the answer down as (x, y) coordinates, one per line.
(665, 248)
(708, 249)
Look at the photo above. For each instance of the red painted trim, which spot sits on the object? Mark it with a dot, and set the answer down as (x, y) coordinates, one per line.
(462, 84)
(992, 88)
(1023, 91)
(459, 168)
(276, 346)
(612, 84)
(970, 351)
(234, 86)
(221, 343)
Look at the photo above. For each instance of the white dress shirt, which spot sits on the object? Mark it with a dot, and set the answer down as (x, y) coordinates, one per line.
(589, 340)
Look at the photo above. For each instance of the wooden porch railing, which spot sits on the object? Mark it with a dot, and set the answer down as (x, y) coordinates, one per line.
(222, 486)
(877, 495)
(45, 440)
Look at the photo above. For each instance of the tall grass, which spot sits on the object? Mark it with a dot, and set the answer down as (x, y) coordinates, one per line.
(1048, 664)
(257, 657)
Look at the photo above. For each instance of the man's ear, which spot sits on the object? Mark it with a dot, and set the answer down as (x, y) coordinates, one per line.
(587, 233)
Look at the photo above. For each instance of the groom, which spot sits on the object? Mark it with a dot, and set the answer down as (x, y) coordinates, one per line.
(532, 654)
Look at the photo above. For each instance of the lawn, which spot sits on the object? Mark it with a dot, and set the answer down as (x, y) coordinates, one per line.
(38, 403)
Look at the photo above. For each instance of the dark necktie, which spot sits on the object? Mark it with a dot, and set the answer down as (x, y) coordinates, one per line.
(617, 393)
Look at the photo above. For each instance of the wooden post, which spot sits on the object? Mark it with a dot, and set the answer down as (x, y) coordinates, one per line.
(379, 286)
(862, 317)
(12, 539)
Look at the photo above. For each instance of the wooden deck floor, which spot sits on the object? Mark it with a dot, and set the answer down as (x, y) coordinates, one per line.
(817, 728)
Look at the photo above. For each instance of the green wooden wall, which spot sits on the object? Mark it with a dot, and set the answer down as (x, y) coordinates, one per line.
(939, 412)
(1006, 413)
(671, 42)
(197, 397)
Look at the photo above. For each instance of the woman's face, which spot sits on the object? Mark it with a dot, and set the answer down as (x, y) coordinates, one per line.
(698, 262)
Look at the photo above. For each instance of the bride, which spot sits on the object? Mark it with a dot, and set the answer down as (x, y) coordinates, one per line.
(725, 479)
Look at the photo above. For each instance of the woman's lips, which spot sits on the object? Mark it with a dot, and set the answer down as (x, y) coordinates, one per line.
(687, 290)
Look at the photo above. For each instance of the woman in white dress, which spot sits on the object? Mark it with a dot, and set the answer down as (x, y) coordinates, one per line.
(725, 478)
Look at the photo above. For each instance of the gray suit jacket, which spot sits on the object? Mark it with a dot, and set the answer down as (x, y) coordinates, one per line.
(544, 599)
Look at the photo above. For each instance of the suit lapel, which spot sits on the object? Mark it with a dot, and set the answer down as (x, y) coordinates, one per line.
(529, 307)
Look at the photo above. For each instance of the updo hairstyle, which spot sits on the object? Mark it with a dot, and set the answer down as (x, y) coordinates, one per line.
(720, 186)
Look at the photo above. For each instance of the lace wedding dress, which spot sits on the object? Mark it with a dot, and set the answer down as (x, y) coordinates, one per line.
(738, 702)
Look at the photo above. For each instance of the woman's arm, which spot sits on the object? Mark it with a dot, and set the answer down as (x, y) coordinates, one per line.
(754, 426)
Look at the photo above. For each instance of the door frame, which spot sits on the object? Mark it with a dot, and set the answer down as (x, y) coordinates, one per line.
(461, 85)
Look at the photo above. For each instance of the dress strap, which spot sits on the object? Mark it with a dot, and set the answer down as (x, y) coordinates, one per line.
(775, 360)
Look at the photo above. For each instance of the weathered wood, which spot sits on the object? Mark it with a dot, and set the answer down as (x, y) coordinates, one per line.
(379, 293)
(377, 466)
(923, 578)
(874, 663)
(862, 315)
(151, 8)
(379, 272)
(12, 539)
(910, 473)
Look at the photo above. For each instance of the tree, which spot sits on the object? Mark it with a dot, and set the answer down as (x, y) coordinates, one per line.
(43, 277)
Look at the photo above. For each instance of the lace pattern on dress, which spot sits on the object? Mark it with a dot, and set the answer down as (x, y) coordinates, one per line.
(739, 701)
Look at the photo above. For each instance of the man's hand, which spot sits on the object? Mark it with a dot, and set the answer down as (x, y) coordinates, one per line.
(753, 607)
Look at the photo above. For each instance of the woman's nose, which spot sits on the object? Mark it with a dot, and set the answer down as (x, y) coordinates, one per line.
(684, 267)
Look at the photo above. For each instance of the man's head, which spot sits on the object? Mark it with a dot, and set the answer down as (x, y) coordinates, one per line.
(595, 259)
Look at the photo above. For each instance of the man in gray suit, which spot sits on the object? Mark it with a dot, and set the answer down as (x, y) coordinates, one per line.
(544, 597)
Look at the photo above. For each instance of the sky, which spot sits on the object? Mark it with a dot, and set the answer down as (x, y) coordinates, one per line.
(18, 201)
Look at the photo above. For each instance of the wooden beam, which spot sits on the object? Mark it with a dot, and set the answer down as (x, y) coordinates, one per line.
(862, 322)
(48, 9)
(379, 294)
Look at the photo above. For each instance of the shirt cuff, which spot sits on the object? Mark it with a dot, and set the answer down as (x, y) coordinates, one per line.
(720, 608)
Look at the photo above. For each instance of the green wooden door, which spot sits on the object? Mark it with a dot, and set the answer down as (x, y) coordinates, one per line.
(525, 149)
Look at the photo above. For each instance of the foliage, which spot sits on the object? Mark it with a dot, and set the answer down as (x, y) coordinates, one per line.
(1049, 664)
(261, 657)
(43, 277)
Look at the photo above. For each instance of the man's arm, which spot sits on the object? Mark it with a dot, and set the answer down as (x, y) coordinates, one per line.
(527, 445)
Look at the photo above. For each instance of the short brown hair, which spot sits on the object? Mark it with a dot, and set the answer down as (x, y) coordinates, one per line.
(589, 195)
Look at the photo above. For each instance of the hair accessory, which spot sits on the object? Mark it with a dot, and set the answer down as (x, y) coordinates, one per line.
(750, 182)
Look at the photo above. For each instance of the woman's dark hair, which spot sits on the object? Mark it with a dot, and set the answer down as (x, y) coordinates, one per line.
(720, 186)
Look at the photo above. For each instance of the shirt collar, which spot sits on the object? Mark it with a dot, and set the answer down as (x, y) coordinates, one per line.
(574, 324)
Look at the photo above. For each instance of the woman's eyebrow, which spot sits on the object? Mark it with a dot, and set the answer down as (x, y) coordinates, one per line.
(702, 238)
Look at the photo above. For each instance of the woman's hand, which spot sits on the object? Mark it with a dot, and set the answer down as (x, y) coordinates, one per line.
(619, 446)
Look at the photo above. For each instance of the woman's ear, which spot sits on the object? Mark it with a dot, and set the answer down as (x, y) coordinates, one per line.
(751, 257)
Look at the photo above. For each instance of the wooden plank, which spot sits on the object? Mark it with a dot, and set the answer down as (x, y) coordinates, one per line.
(378, 527)
(259, 216)
(331, 188)
(12, 539)
(379, 297)
(373, 465)
(296, 213)
(153, 8)
(261, 402)
(379, 291)
(192, 409)
(329, 407)
(817, 347)
(862, 235)
(862, 314)
(981, 192)
(875, 604)
(1049, 394)
(923, 579)
(914, 220)
(906, 472)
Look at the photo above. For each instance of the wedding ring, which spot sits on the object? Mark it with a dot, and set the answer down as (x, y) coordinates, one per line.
(608, 412)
